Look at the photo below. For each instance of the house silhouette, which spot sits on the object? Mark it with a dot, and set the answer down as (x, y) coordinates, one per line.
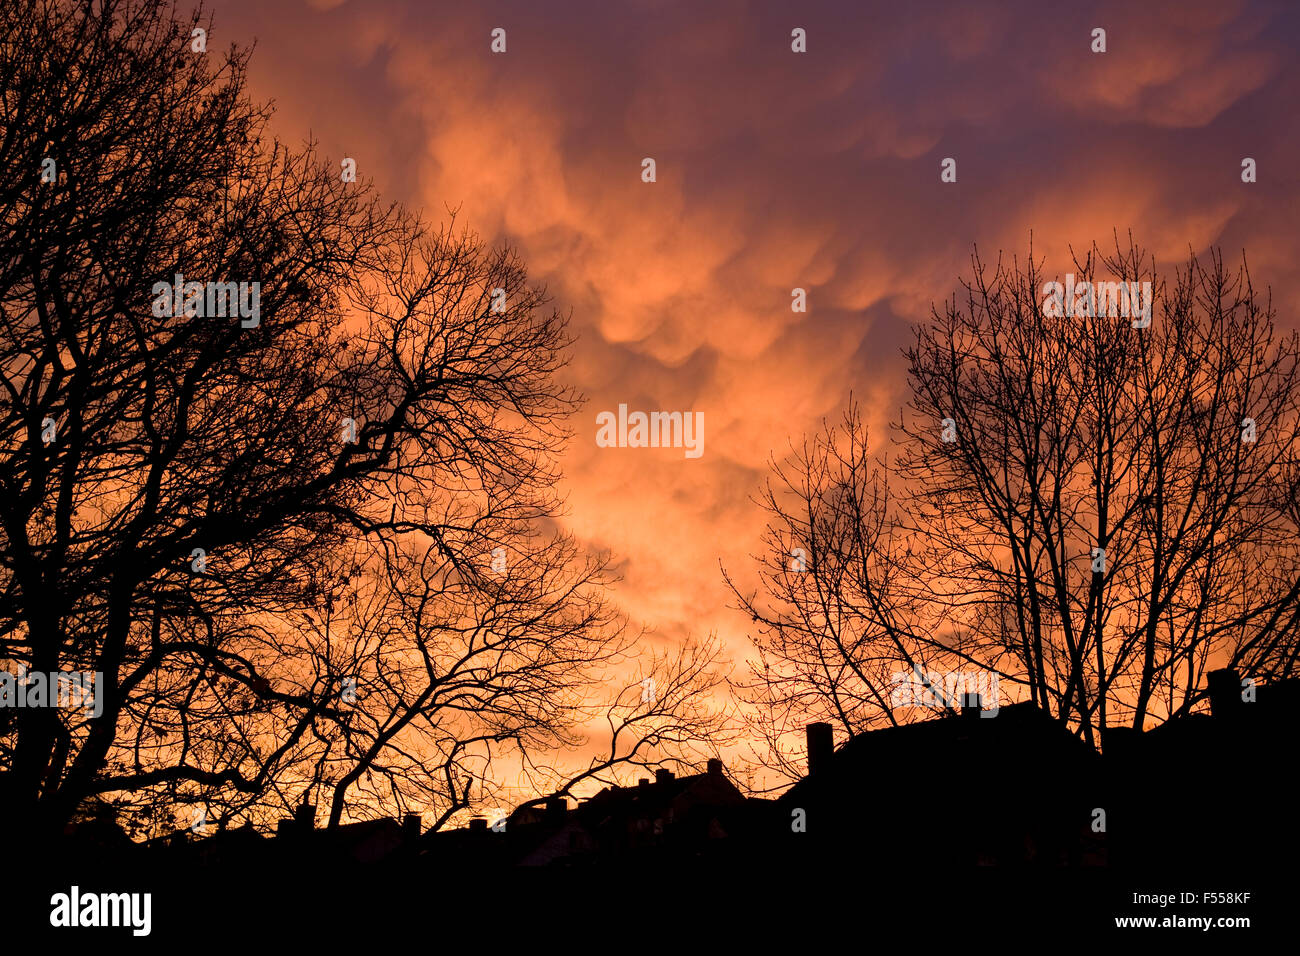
(1016, 790)
(1209, 791)
(953, 791)
(663, 819)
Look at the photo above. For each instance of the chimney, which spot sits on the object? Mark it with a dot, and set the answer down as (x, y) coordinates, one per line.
(302, 821)
(1225, 692)
(663, 776)
(643, 783)
(971, 706)
(821, 745)
(478, 824)
(556, 808)
(411, 825)
(715, 767)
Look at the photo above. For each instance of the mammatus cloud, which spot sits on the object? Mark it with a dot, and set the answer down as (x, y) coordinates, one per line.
(776, 171)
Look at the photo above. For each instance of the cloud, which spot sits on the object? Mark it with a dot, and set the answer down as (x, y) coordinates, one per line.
(779, 170)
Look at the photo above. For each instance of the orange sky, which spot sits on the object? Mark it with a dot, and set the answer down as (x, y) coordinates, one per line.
(779, 170)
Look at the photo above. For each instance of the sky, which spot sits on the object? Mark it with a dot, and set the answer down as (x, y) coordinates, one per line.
(778, 170)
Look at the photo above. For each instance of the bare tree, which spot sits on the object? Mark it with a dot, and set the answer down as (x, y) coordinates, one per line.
(179, 488)
(473, 688)
(1094, 509)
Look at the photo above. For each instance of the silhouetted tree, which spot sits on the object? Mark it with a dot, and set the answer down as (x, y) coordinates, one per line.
(452, 691)
(178, 490)
(1172, 448)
